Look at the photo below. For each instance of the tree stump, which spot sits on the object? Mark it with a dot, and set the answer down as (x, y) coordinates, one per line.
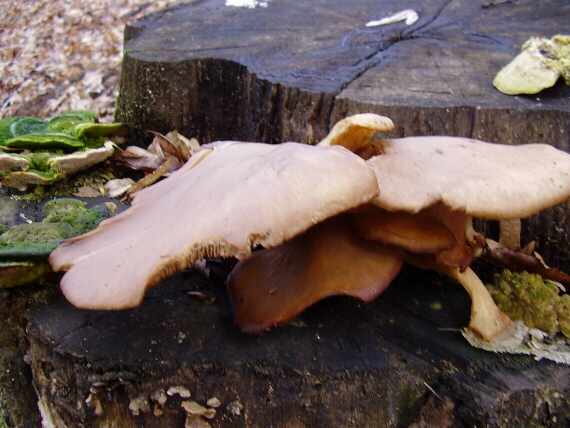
(289, 71)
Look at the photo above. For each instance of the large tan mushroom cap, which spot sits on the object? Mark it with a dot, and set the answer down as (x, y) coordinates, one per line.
(491, 181)
(356, 131)
(221, 203)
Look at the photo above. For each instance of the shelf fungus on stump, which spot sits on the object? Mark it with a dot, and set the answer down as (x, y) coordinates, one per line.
(539, 66)
(336, 218)
(36, 151)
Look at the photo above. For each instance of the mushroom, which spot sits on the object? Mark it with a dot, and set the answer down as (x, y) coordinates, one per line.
(447, 181)
(51, 167)
(539, 66)
(275, 285)
(37, 151)
(223, 202)
(319, 215)
(357, 130)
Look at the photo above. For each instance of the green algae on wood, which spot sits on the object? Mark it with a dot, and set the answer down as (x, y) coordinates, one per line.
(24, 248)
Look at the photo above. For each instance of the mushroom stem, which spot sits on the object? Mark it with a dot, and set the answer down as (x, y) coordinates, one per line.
(487, 319)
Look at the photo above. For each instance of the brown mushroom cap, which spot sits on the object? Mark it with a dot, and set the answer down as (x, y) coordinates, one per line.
(437, 230)
(356, 131)
(221, 203)
(491, 181)
(418, 233)
(275, 285)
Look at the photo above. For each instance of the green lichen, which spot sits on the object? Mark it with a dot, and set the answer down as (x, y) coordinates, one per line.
(436, 306)
(24, 248)
(526, 297)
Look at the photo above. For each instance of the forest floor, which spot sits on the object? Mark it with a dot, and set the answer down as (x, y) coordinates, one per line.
(59, 55)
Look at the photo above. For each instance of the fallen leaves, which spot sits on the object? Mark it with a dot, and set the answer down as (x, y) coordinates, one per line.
(523, 260)
(64, 55)
(164, 155)
(172, 147)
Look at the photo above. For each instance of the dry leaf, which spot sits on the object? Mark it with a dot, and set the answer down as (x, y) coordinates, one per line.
(168, 147)
(172, 146)
(64, 55)
(519, 261)
(510, 236)
(87, 192)
(117, 187)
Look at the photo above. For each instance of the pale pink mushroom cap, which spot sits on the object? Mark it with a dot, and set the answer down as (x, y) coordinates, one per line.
(221, 203)
(491, 181)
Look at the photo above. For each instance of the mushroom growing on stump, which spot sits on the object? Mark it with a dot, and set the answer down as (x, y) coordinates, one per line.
(357, 130)
(222, 203)
(275, 285)
(450, 180)
(330, 222)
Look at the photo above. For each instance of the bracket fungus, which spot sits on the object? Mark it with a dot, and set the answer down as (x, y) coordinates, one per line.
(539, 66)
(336, 218)
(37, 151)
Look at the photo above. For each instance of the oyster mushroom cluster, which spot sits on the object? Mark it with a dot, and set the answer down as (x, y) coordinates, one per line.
(338, 218)
(36, 151)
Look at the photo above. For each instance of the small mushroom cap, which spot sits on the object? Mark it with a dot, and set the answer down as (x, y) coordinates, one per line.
(412, 232)
(491, 181)
(221, 203)
(356, 131)
(275, 285)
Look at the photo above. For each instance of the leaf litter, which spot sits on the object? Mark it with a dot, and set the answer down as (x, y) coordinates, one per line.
(58, 55)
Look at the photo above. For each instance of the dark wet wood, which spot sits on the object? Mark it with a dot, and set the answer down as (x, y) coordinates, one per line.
(288, 72)
(341, 363)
